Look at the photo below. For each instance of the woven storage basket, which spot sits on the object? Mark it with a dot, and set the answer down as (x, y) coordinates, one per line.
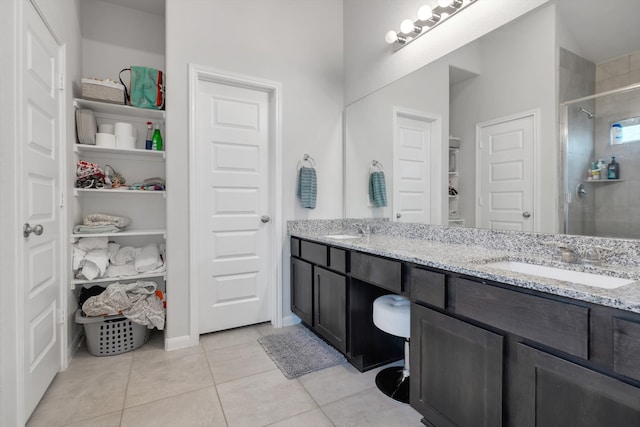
(110, 335)
(103, 90)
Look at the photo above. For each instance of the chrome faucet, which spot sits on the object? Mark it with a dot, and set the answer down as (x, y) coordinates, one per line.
(568, 255)
(364, 229)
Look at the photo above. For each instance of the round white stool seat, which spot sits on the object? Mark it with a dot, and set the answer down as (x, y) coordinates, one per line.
(391, 313)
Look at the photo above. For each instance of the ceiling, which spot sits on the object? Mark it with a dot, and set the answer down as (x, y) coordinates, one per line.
(606, 29)
(150, 6)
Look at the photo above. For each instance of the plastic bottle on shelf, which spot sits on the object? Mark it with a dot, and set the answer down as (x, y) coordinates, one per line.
(148, 142)
(156, 140)
(613, 172)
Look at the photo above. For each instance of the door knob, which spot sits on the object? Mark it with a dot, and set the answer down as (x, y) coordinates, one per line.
(526, 214)
(265, 218)
(398, 215)
(27, 229)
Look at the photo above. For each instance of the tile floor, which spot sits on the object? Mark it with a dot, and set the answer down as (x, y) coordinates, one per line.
(227, 380)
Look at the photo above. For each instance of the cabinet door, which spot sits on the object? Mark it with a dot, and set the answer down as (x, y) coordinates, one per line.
(302, 290)
(555, 392)
(456, 371)
(330, 307)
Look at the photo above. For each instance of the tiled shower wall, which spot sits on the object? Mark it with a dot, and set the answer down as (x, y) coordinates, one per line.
(617, 204)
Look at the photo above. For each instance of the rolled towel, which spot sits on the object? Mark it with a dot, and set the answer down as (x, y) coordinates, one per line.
(90, 243)
(95, 264)
(307, 187)
(377, 189)
(128, 269)
(106, 219)
(125, 255)
(148, 259)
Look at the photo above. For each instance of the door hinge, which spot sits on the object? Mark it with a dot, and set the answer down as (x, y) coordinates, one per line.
(61, 82)
(480, 201)
(60, 314)
(61, 199)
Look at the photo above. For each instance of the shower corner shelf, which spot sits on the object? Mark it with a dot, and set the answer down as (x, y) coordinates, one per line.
(601, 181)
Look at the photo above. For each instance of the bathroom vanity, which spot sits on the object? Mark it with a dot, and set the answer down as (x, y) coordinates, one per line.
(489, 347)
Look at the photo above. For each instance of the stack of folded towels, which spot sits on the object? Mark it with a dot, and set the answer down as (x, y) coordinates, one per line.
(95, 257)
(101, 223)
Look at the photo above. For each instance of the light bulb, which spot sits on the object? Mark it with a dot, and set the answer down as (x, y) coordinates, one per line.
(445, 3)
(391, 37)
(425, 12)
(407, 26)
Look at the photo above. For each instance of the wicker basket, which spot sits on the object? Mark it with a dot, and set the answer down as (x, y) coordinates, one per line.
(110, 335)
(103, 90)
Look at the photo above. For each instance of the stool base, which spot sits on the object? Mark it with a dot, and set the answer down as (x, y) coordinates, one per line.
(392, 382)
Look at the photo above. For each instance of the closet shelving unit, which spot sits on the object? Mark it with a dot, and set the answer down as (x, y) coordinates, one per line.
(146, 209)
(454, 200)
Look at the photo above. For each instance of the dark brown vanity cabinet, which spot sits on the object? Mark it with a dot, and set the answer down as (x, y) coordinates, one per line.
(488, 354)
(302, 290)
(456, 370)
(330, 307)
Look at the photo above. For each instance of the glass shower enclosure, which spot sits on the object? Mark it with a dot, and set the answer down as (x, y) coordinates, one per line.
(594, 130)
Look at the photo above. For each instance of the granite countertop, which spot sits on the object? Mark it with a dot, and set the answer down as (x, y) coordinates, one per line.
(472, 260)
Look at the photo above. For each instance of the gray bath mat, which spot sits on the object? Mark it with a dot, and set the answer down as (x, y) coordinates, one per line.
(300, 352)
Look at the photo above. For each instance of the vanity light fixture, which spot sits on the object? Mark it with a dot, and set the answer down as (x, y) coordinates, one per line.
(428, 18)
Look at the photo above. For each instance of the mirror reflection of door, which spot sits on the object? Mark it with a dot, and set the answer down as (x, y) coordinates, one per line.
(505, 165)
(415, 135)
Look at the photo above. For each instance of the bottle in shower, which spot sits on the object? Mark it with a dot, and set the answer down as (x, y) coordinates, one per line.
(613, 171)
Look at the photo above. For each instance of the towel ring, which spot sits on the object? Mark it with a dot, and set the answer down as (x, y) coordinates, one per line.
(376, 164)
(309, 161)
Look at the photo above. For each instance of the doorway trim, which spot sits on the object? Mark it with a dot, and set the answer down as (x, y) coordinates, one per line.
(433, 157)
(201, 73)
(537, 202)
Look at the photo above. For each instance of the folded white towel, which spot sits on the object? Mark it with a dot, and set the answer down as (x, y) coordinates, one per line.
(112, 250)
(124, 255)
(78, 258)
(95, 264)
(89, 243)
(128, 269)
(148, 259)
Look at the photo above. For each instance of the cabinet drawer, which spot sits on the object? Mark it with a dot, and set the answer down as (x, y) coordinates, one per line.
(427, 287)
(378, 271)
(338, 259)
(557, 324)
(295, 247)
(313, 252)
(626, 348)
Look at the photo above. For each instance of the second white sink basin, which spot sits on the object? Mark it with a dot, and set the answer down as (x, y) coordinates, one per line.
(589, 279)
(342, 236)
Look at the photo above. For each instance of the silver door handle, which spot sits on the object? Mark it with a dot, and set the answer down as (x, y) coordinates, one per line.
(27, 229)
(398, 215)
(526, 214)
(265, 218)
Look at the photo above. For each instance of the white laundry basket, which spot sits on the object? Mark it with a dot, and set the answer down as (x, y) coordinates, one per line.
(110, 335)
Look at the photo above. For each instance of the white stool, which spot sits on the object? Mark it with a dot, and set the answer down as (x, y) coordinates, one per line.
(391, 313)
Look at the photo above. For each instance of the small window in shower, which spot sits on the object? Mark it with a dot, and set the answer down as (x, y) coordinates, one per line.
(625, 131)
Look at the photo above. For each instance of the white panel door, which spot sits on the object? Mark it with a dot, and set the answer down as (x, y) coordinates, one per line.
(505, 153)
(234, 269)
(41, 154)
(411, 169)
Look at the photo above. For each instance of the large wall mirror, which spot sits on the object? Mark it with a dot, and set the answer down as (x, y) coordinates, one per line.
(478, 138)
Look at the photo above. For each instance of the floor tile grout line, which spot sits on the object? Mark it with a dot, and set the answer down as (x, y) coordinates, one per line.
(126, 391)
(215, 386)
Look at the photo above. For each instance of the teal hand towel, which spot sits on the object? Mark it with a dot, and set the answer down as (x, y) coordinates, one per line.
(377, 189)
(307, 187)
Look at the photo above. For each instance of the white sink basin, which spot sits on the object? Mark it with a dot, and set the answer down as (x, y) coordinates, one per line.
(342, 236)
(589, 279)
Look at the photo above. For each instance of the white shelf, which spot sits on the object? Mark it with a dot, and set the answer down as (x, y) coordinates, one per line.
(602, 181)
(77, 192)
(75, 282)
(83, 148)
(123, 110)
(152, 232)
(453, 173)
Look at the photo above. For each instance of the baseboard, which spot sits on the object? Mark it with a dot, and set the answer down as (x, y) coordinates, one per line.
(178, 343)
(75, 345)
(290, 320)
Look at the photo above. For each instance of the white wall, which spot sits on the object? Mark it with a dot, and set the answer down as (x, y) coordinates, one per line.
(116, 37)
(518, 74)
(298, 43)
(370, 63)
